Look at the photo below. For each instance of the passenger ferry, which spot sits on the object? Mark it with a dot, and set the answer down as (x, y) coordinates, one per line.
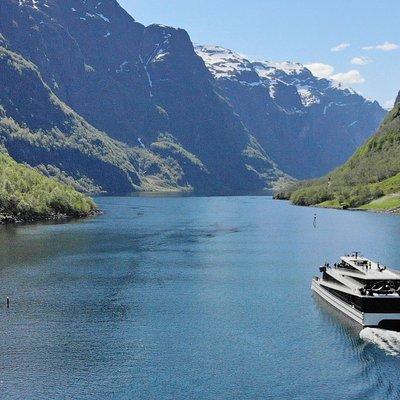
(366, 291)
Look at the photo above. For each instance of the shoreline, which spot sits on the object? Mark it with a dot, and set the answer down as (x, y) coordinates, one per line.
(10, 220)
(395, 212)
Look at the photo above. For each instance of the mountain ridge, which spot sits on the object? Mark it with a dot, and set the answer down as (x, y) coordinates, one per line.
(283, 102)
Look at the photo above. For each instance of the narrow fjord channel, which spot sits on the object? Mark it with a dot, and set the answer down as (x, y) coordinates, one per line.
(188, 298)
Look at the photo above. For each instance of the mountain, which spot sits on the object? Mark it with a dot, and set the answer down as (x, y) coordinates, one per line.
(38, 128)
(370, 179)
(26, 195)
(306, 124)
(97, 100)
(93, 97)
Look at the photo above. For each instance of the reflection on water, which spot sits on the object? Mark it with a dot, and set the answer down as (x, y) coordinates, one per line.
(344, 324)
(189, 298)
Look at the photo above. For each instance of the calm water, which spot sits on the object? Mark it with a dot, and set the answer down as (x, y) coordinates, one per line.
(190, 298)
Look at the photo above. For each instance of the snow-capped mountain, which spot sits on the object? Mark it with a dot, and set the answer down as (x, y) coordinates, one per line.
(308, 125)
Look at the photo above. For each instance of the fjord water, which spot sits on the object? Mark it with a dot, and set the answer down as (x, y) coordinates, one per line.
(190, 298)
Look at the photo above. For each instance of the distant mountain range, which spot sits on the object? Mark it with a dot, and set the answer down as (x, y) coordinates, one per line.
(306, 124)
(99, 101)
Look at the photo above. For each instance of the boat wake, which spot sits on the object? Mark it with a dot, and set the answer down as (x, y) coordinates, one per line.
(388, 341)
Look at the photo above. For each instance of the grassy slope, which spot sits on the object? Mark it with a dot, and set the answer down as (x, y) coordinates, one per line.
(370, 179)
(27, 195)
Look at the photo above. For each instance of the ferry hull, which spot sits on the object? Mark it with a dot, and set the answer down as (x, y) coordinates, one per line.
(364, 319)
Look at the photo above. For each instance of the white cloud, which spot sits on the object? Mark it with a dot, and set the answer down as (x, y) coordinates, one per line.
(385, 46)
(348, 78)
(388, 104)
(320, 70)
(340, 47)
(360, 60)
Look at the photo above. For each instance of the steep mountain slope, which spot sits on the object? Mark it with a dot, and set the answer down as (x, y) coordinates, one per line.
(37, 128)
(143, 87)
(370, 179)
(26, 195)
(306, 124)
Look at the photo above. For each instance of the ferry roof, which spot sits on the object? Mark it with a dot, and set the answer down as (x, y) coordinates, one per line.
(370, 269)
(344, 279)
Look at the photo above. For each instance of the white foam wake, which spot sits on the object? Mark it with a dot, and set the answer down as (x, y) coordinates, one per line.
(388, 341)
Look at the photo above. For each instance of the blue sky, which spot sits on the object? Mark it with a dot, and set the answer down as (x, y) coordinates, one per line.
(305, 31)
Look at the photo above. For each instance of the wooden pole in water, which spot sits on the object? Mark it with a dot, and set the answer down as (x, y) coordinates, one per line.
(8, 302)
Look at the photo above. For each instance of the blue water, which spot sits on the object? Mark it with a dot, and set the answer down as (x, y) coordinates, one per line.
(189, 298)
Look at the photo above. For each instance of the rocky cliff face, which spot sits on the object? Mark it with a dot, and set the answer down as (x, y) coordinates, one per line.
(143, 89)
(307, 125)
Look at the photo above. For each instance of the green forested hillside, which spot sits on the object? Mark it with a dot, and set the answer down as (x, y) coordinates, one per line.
(27, 195)
(370, 179)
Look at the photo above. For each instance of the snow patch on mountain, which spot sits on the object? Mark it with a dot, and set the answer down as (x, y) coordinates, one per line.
(104, 18)
(124, 67)
(288, 72)
(269, 68)
(31, 3)
(223, 63)
(308, 98)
